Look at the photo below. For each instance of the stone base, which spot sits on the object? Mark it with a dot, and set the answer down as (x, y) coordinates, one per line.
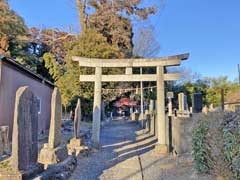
(75, 145)
(22, 175)
(161, 149)
(49, 156)
(61, 170)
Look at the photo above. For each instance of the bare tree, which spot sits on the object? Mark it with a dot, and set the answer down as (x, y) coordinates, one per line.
(145, 42)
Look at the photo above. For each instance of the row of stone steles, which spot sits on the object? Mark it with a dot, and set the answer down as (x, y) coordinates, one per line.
(25, 162)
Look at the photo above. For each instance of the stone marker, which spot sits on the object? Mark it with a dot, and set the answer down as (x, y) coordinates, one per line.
(205, 110)
(70, 115)
(181, 102)
(75, 144)
(1, 146)
(211, 108)
(25, 128)
(103, 115)
(152, 116)
(170, 96)
(54, 138)
(23, 162)
(191, 110)
(185, 103)
(183, 110)
(4, 130)
(197, 102)
(147, 120)
(53, 152)
(77, 119)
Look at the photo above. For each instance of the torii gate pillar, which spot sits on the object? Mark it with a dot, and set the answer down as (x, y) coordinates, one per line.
(97, 107)
(161, 145)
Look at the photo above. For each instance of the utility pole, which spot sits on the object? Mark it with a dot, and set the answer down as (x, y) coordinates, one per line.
(222, 99)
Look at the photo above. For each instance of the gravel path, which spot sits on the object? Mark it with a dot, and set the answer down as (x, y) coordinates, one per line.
(128, 154)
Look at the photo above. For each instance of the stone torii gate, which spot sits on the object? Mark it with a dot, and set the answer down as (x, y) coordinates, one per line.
(160, 77)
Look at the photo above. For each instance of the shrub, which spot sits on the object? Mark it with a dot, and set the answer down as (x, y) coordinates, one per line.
(216, 145)
(231, 136)
(200, 154)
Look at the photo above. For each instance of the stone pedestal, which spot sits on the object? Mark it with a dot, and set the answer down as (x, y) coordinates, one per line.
(161, 149)
(75, 145)
(22, 175)
(49, 155)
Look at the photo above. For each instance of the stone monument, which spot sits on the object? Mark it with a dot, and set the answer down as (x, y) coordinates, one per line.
(211, 108)
(1, 145)
(170, 96)
(75, 144)
(152, 116)
(54, 152)
(197, 102)
(181, 102)
(205, 110)
(4, 144)
(23, 162)
(147, 118)
(182, 106)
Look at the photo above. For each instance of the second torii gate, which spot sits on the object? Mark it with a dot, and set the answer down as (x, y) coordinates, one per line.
(160, 77)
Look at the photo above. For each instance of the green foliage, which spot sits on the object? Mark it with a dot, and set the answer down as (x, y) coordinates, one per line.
(93, 45)
(199, 86)
(13, 32)
(200, 152)
(15, 40)
(216, 145)
(209, 87)
(89, 44)
(216, 85)
(231, 135)
(51, 64)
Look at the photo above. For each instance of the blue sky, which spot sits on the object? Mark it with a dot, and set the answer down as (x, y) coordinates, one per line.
(208, 29)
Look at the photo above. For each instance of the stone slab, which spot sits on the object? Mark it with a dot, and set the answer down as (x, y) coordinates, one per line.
(54, 138)
(25, 128)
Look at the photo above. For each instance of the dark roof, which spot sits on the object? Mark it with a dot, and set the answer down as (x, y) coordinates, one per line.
(26, 71)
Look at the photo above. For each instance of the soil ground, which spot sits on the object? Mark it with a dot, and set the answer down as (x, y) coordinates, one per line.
(127, 153)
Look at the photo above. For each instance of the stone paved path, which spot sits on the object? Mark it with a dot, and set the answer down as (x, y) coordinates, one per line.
(127, 154)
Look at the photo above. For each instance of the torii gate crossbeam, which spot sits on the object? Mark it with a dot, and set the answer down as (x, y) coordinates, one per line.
(160, 77)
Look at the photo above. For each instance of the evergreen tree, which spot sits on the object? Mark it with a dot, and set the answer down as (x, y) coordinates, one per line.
(13, 31)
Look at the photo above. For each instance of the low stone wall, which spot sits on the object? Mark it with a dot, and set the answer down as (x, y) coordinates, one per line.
(182, 133)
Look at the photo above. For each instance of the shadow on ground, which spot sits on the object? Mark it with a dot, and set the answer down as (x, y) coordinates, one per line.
(120, 142)
(127, 154)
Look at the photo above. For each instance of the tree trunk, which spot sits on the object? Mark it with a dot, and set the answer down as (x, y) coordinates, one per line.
(81, 5)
